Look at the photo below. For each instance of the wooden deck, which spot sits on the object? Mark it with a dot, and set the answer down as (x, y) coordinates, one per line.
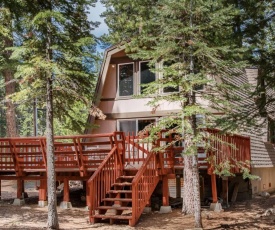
(117, 170)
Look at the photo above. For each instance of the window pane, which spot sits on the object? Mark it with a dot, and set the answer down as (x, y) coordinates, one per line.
(168, 78)
(146, 76)
(170, 89)
(126, 79)
(143, 123)
(127, 126)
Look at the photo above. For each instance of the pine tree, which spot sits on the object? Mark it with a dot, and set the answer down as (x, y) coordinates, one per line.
(7, 11)
(254, 30)
(193, 41)
(54, 57)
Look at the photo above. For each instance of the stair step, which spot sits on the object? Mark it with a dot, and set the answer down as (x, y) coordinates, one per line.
(123, 184)
(127, 177)
(120, 191)
(118, 199)
(117, 217)
(115, 207)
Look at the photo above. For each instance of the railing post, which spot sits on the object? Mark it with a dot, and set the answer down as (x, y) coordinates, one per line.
(132, 222)
(88, 196)
(119, 139)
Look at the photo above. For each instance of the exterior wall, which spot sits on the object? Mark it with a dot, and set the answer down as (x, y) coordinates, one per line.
(105, 126)
(173, 187)
(110, 86)
(267, 181)
(135, 106)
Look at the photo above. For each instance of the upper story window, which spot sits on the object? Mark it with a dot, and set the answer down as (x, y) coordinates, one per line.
(146, 76)
(168, 78)
(126, 79)
(170, 89)
(132, 77)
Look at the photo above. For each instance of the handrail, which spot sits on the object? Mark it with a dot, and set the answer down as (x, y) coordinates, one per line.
(59, 137)
(103, 178)
(143, 186)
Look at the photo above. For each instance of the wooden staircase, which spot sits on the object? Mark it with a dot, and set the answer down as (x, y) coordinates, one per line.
(116, 193)
(117, 205)
(113, 193)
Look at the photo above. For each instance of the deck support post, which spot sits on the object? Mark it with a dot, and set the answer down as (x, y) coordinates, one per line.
(20, 189)
(20, 193)
(66, 204)
(215, 206)
(0, 191)
(66, 190)
(225, 190)
(42, 202)
(148, 208)
(214, 188)
(165, 208)
(88, 195)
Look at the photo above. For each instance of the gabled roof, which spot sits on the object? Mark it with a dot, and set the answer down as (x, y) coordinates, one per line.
(102, 78)
(103, 70)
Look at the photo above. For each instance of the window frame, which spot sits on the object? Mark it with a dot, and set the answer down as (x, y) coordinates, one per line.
(139, 77)
(118, 80)
(161, 77)
(136, 121)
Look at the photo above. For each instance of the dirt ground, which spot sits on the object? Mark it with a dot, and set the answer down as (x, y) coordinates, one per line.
(241, 215)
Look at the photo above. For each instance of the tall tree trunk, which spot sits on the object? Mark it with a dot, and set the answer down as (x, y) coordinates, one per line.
(10, 108)
(52, 201)
(51, 180)
(196, 192)
(9, 89)
(195, 173)
(188, 199)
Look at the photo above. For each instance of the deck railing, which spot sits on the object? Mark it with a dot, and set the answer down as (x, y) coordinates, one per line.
(136, 151)
(6, 157)
(232, 148)
(80, 153)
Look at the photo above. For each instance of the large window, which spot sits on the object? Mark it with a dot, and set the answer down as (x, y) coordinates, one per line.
(134, 125)
(146, 76)
(127, 84)
(126, 79)
(169, 78)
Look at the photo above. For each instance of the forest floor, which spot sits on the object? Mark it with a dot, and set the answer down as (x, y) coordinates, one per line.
(241, 215)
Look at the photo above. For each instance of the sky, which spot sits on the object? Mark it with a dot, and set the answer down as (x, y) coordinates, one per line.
(95, 16)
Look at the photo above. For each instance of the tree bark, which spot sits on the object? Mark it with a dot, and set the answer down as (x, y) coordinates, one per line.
(9, 89)
(196, 189)
(188, 199)
(52, 201)
(10, 108)
(51, 179)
